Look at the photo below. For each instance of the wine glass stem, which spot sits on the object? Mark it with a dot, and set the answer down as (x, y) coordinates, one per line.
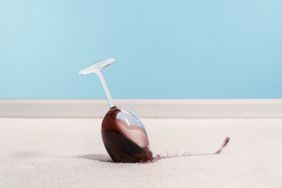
(106, 89)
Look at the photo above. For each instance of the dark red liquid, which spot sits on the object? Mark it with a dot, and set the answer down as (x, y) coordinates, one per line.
(124, 137)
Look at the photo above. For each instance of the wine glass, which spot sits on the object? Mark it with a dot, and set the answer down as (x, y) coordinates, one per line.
(123, 133)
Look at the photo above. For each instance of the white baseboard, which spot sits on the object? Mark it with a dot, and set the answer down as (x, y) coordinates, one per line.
(255, 108)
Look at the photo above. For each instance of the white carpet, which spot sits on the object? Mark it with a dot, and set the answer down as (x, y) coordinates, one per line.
(69, 153)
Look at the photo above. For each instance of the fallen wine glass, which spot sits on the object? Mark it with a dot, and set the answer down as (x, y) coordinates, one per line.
(123, 133)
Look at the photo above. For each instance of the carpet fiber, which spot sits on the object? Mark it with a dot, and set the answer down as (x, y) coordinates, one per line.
(69, 153)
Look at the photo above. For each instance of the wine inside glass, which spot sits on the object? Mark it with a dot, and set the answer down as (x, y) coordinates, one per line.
(123, 133)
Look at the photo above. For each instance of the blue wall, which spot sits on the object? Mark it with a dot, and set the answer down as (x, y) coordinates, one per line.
(164, 49)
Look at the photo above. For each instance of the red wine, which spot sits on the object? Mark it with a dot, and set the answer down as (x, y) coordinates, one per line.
(124, 137)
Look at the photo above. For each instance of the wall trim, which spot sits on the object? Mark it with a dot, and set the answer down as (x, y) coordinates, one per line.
(145, 108)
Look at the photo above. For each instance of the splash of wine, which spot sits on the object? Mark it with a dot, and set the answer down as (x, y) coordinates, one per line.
(168, 156)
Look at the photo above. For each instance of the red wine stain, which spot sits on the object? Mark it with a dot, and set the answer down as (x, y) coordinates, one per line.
(168, 156)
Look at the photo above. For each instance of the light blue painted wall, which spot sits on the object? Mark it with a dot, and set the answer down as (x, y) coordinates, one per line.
(164, 49)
